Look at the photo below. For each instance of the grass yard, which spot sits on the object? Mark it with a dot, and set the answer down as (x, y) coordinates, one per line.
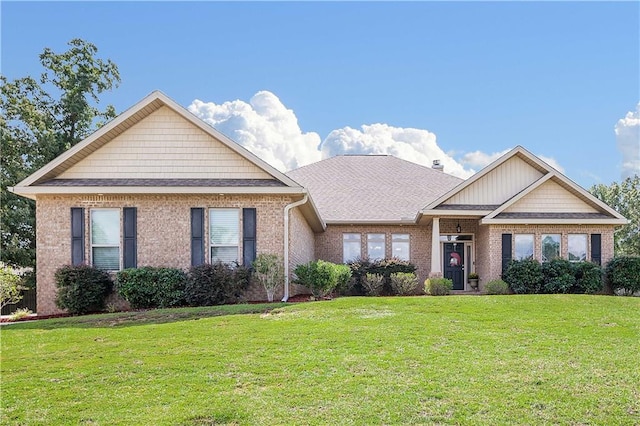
(539, 359)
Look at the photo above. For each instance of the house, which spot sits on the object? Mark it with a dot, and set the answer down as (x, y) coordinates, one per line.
(157, 186)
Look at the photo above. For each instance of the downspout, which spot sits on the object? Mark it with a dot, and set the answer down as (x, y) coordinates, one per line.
(288, 208)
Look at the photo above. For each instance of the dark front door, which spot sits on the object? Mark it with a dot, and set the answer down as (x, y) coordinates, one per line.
(454, 264)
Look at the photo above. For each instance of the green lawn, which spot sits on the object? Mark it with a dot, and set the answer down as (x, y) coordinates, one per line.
(560, 359)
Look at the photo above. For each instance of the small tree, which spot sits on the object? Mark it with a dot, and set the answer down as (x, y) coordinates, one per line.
(269, 271)
(10, 288)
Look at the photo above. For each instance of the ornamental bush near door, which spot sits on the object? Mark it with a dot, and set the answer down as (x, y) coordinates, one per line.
(623, 275)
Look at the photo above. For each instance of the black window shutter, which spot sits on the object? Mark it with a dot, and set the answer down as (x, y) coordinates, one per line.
(248, 236)
(197, 236)
(506, 251)
(77, 235)
(130, 251)
(596, 248)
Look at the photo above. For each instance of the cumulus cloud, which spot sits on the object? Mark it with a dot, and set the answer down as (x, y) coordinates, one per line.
(271, 131)
(265, 127)
(416, 145)
(628, 140)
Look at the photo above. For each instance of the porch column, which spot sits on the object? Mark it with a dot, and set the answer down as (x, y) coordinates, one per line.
(436, 268)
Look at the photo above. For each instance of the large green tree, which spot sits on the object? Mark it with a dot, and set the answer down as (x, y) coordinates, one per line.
(39, 120)
(625, 198)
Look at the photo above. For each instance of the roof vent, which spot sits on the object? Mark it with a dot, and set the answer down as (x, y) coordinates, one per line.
(437, 166)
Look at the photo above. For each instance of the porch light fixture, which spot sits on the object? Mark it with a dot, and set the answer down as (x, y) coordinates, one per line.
(458, 228)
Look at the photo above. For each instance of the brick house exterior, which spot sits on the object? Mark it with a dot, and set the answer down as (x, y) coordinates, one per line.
(168, 177)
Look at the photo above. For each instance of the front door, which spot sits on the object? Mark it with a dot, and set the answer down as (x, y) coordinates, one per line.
(454, 264)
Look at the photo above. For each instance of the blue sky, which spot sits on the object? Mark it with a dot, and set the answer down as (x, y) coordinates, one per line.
(481, 77)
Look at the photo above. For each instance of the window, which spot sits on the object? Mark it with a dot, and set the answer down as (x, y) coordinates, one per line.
(375, 246)
(400, 246)
(224, 234)
(577, 247)
(351, 248)
(524, 246)
(105, 239)
(550, 246)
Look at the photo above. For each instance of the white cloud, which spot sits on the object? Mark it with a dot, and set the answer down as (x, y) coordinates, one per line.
(268, 129)
(416, 145)
(628, 140)
(265, 127)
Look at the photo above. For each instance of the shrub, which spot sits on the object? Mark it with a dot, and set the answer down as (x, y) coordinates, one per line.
(588, 278)
(437, 286)
(373, 284)
(149, 287)
(269, 271)
(558, 276)
(623, 275)
(343, 273)
(524, 276)
(10, 288)
(319, 276)
(20, 313)
(404, 283)
(385, 267)
(497, 287)
(216, 284)
(82, 288)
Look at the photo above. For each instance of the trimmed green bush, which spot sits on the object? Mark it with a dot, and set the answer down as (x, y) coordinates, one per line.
(319, 276)
(373, 284)
(496, 287)
(343, 273)
(216, 284)
(82, 288)
(385, 267)
(404, 283)
(623, 275)
(558, 276)
(588, 278)
(438, 286)
(150, 287)
(524, 276)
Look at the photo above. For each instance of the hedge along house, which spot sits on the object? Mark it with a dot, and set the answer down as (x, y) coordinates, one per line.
(157, 186)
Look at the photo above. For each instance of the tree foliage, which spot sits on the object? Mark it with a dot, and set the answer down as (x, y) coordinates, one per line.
(624, 198)
(41, 118)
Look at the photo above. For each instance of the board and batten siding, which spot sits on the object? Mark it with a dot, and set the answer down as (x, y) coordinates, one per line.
(499, 184)
(550, 197)
(165, 146)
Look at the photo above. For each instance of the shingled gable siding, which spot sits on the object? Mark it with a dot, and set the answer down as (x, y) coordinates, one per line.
(163, 231)
(489, 242)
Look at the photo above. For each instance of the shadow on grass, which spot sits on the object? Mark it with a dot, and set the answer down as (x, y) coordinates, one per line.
(145, 317)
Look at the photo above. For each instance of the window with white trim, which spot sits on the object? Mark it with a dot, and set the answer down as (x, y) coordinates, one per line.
(400, 246)
(105, 239)
(224, 235)
(351, 248)
(550, 246)
(375, 246)
(523, 246)
(577, 247)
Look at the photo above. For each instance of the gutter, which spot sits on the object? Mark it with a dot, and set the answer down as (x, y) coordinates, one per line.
(287, 209)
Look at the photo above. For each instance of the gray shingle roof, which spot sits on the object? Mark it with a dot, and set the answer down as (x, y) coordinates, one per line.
(371, 187)
(216, 183)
